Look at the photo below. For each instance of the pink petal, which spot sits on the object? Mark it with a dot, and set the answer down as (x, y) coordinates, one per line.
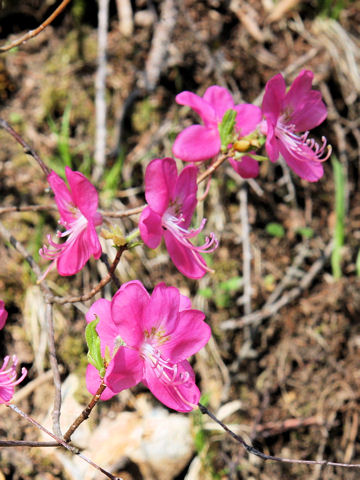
(93, 240)
(73, 258)
(299, 89)
(199, 105)
(6, 393)
(181, 398)
(93, 382)
(83, 192)
(185, 193)
(271, 144)
(185, 260)
(190, 334)
(248, 118)
(220, 99)
(185, 303)
(160, 179)
(309, 170)
(150, 228)
(3, 314)
(127, 307)
(247, 167)
(125, 370)
(162, 311)
(310, 114)
(63, 198)
(197, 143)
(273, 98)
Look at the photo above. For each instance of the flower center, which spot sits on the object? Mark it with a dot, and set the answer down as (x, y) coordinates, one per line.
(301, 147)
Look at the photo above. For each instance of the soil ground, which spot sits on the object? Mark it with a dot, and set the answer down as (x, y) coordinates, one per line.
(294, 366)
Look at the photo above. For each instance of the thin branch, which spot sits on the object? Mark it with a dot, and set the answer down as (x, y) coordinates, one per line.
(33, 33)
(96, 289)
(60, 441)
(55, 369)
(125, 213)
(25, 443)
(253, 451)
(27, 149)
(27, 208)
(245, 236)
(100, 87)
(209, 171)
(84, 415)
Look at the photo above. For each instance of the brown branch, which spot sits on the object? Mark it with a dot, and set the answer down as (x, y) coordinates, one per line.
(39, 29)
(27, 149)
(60, 441)
(125, 213)
(96, 289)
(253, 451)
(25, 443)
(84, 415)
(209, 171)
(26, 208)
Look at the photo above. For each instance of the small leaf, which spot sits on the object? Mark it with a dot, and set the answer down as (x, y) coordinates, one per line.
(226, 128)
(275, 229)
(93, 343)
(206, 292)
(305, 232)
(232, 284)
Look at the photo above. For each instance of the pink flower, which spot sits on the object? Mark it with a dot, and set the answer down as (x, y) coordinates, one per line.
(171, 203)
(287, 113)
(149, 339)
(77, 207)
(8, 379)
(201, 142)
(3, 314)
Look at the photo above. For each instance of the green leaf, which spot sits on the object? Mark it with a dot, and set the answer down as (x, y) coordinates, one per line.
(93, 343)
(305, 232)
(275, 229)
(206, 292)
(226, 128)
(340, 210)
(231, 285)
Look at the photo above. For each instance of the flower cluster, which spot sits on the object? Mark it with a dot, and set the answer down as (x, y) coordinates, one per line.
(282, 117)
(149, 339)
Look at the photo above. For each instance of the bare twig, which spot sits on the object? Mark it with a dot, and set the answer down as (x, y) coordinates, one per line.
(267, 310)
(209, 171)
(39, 29)
(27, 208)
(96, 289)
(100, 86)
(84, 415)
(263, 456)
(245, 235)
(55, 369)
(60, 441)
(27, 149)
(25, 443)
(122, 214)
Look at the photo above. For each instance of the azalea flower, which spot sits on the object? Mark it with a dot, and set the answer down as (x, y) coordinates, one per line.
(149, 339)
(171, 203)
(288, 113)
(3, 314)
(8, 378)
(78, 215)
(201, 142)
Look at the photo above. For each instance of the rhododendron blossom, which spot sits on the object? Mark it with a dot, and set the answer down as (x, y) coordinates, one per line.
(3, 314)
(171, 203)
(288, 113)
(78, 215)
(149, 339)
(8, 378)
(201, 142)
